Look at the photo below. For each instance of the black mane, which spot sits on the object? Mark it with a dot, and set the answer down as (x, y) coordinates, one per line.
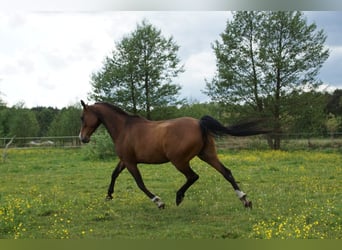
(118, 110)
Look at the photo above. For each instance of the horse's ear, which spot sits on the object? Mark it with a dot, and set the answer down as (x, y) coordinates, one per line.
(83, 104)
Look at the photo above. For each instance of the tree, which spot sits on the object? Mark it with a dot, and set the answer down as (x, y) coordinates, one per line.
(139, 73)
(263, 57)
(334, 105)
(2, 102)
(66, 122)
(310, 117)
(332, 124)
(22, 122)
(5, 115)
(45, 116)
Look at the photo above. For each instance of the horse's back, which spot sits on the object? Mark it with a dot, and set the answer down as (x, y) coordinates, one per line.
(178, 129)
(181, 138)
(163, 141)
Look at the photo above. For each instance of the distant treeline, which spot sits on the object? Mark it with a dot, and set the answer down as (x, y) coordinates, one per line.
(39, 121)
(313, 112)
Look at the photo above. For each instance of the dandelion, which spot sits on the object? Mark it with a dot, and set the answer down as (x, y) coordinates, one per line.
(268, 234)
(298, 233)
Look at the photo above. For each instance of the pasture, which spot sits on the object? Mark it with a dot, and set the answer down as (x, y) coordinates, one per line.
(57, 194)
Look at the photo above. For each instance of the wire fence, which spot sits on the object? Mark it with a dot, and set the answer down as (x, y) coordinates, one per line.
(39, 142)
(288, 141)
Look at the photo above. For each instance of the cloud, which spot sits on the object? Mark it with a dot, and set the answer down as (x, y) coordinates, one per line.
(16, 20)
(330, 22)
(193, 31)
(47, 58)
(331, 71)
(198, 67)
(44, 81)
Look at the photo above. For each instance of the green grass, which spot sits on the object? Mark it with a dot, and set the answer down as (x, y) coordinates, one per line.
(56, 193)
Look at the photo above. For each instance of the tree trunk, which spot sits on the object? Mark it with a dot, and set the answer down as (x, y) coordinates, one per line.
(147, 95)
(277, 142)
(4, 154)
(133, 97)
(274, 141)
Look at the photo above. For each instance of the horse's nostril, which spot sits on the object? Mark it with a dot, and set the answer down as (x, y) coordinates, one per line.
(85, 140)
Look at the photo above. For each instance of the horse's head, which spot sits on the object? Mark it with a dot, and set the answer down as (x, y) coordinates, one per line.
(90, 123)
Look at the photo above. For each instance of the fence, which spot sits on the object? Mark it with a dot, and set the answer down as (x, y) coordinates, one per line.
(289, 141)
(29, 142)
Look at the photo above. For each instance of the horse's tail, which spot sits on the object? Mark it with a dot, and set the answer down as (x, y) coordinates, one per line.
(211, 126)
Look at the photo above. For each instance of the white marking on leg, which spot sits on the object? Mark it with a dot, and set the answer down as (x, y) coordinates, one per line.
(158, 201)
(155, 199)
(240, 194)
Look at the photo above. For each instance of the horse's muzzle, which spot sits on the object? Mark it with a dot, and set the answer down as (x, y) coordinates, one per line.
(84, 139)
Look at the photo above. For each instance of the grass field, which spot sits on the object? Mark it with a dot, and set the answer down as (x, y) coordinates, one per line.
(56, 193)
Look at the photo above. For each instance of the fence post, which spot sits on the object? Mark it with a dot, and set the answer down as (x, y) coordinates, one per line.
(4, 154)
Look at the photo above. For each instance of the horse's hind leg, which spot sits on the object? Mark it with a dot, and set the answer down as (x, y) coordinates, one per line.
(191, 177)
(227, 174)
(118, 169)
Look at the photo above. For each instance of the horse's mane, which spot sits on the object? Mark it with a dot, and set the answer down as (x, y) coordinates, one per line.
(118, 110)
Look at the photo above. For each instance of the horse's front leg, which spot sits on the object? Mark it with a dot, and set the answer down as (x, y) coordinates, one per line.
(118, 169)
(133, 169)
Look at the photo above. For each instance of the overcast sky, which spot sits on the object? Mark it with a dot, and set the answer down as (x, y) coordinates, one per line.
(46, 58)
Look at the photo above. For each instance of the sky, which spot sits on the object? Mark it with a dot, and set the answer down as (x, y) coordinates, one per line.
(47, 58)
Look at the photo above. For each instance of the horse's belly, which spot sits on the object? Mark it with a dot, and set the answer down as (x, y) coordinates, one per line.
(156, 158)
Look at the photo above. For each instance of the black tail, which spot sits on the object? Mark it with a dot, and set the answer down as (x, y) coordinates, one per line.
(212, 126)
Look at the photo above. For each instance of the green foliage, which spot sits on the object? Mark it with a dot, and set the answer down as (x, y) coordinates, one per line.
(139, 72)
(39, 121)
(4, 121)
(59, 195)
(305, 112)
(100, 147)
(195, 110)
(66, 122)
(263, 57)
(22, 122)
(45, 116)
(333, 123)
(334, 104)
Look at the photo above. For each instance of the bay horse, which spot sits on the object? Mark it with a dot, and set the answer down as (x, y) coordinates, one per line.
(138, 140)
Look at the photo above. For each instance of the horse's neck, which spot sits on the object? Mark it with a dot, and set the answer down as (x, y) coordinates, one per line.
(113, 121)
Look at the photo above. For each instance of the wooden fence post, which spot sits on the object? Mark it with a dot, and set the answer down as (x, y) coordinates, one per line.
(4, 154)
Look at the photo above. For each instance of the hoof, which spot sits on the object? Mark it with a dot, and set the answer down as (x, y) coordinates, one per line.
(248, 204)
(158, 202)
(109, 197)
(161, 206)
(179, 199)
